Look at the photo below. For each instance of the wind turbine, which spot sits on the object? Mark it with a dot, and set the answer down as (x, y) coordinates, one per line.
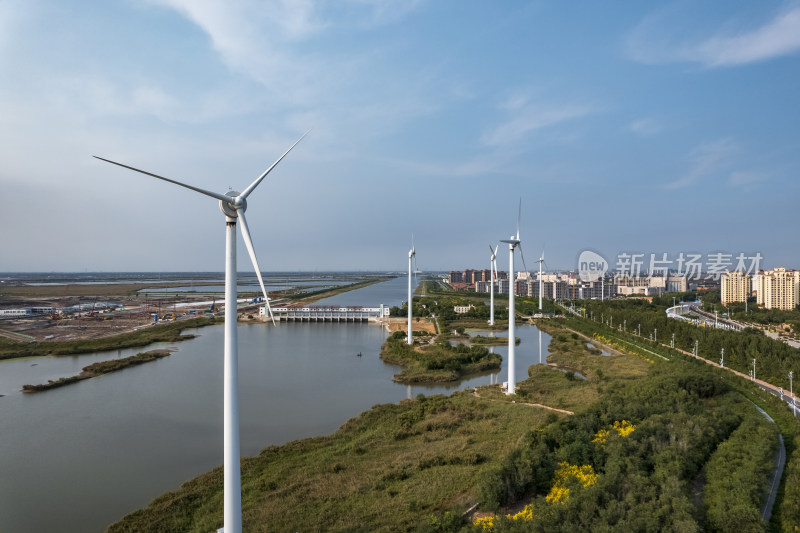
(540, 261)
(233, 205)
(411, 255)
(493, 274)
(512, 242)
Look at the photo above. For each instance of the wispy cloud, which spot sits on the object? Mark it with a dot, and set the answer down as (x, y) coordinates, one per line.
(526, 117)
(248, 36)
(706, 160)
(777, 37)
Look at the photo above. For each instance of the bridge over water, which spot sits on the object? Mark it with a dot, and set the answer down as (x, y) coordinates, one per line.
(327, 313)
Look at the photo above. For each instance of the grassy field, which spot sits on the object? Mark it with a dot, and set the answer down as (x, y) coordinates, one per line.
(75, 290)
(389, 469)
(393, 468)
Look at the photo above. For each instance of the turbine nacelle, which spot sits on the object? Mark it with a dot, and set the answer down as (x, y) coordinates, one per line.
(237, 202)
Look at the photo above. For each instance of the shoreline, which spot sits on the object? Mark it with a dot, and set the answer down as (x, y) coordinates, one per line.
(140, 334)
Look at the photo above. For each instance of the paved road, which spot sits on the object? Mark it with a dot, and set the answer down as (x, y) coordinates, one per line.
(780, 462)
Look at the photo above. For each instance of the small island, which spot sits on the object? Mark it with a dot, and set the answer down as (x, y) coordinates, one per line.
(438, 362)
(98, 369)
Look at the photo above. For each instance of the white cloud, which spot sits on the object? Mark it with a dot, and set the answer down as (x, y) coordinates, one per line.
(706, 160)
(252, 39)
(530, 117)
(777, 37)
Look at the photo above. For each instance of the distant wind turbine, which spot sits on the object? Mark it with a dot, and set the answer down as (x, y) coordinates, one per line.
(493, 274)
(411, 255)
(513, 242)
(233, 205)
(540, 261)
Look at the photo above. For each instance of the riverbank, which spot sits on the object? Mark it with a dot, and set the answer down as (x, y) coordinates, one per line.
(166, 332)
(102, 334)
(311, 297)
(98, 369)
(394, 467)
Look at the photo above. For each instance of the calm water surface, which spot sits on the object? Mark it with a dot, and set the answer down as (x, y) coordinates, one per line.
(80, 457)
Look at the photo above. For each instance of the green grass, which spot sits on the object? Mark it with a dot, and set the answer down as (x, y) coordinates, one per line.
(388, 469)
(395, 467)
(171, 332)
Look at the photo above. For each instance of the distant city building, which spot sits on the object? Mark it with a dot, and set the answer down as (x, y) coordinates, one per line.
(677, 284)
(462, 308)
(502, 286)
(778, 288)
(735, 286)
(644, 285)
(484, 286)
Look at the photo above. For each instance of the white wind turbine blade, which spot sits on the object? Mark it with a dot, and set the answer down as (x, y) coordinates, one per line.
(249, 243)
(519, 215)
(198, 189)
(522, 256)
(253, 185)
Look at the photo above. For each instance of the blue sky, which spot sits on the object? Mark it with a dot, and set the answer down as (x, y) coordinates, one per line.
(628, 126)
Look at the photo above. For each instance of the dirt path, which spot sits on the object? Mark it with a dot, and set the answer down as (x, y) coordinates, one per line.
(564, 411)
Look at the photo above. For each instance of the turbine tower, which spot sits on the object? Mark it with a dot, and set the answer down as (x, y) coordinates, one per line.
(493, 274)
(233, 205)
(512, 242)
(541, 260)
(411, 254)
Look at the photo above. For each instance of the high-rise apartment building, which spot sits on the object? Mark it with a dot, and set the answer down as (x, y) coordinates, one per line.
(778, 288)
(736, 287)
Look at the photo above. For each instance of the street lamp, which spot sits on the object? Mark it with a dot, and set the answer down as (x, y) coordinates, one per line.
(791, 393)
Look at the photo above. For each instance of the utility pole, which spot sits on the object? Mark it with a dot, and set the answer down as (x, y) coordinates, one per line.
(696, 348)
(640, 330)
(722, 358)
(612, 321)
(655, 334)
(791, 393)
(624, 324)
(754, 369)
(672, 342)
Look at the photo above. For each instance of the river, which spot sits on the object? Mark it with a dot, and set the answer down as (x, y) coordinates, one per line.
(80, 457)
